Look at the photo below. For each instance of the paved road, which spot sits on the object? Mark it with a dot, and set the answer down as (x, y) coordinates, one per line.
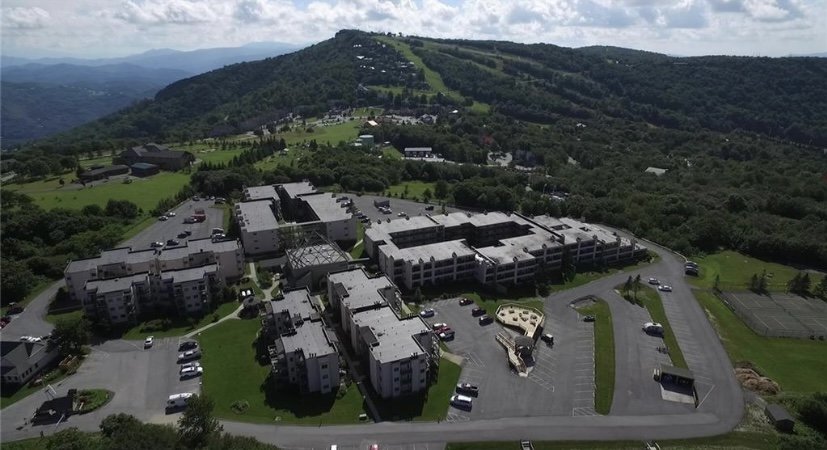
(719, 412)
(169, 229)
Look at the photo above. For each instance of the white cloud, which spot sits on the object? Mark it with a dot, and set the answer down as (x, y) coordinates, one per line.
(106, 27)
(25, 18)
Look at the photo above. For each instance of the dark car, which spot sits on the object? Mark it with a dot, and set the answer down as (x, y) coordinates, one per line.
(486, 319)
(429, 208)
(14, 308)
(187, 345)
(182, 235)
(172, 242)
(588, 319)
(468, 389)
(465, 301)
(477, 311)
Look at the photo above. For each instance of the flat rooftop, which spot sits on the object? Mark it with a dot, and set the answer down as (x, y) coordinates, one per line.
(438, 250)
(326, 208)
(294, 190)
(394, 338)
(116, 284)
(311, 339)
(362, 291)
(257, 216)
(260, 193)
(296, 302)
(189, 274)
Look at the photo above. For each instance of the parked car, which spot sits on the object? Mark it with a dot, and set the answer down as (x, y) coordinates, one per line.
(190, 372)
(444, 330)
(157, 244)
(190, 364)
(31, 339)
(429, 208)
(149, 341)
(665, 288)
(189, 354)
(14, 308)
(188, 232)
(588, 319)
(187, 345)
(171, 214)
(477, 311)
(468, 388)
(196, 198)
(172, 242)
(486, 319)
(461, 401)
(654, 281)
(429, 312)
(162, 218)
(548, 338)
(446, 335)
(465, 301)
(691, 264)
(653, 328)
(402, 214)
(182, 235)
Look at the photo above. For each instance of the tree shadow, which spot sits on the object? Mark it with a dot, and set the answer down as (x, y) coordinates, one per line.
(301, 405)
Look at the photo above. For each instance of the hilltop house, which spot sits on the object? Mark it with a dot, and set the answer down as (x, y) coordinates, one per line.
(158, 155)
(21, 361)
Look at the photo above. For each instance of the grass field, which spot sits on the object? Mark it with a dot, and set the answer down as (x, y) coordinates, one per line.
(232, 373)
(144, 192)
(179, 327)
(98, 161)
(798, 365)
(415, 189)
(735, 271)
(730, 441)
(431, 407)
(359, 247)
(392, 153)
(286, 158)
(585, 277)
(54, 317)
(650, 299)
(604, 355)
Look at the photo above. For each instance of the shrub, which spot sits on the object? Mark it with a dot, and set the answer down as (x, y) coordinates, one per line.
(240, 406)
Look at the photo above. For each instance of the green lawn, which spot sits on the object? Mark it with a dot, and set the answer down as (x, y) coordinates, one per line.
(735, 271)
(179, 327)
(415, 189)
(587, 276)
(798, 365)
(232, 373)
(604, 355)
(97, 161)
(358, 249)
(213, 153)
(433, 406)
(650, 299)
(144, 192)
(285, 158)
(392, 153)
(54, 317)
(735, 440)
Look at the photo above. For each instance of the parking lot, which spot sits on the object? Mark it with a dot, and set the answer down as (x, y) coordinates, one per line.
(561, 381)
(161, 231)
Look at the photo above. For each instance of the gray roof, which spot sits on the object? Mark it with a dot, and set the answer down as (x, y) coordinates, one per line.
(326, 208)
(294, 190)
(393, 337)
(16, 357)
(439, 251)
(418, 149)
(189, 274)
(257, 216)
(296, 302)
(677, 371)
(198, 246)
(115, 284)
(656, 170)
(362, 290)
(310, 338)
(778, 413)
(260, 193)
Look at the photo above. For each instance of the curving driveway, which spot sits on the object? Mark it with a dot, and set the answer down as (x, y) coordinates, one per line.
(637, 412)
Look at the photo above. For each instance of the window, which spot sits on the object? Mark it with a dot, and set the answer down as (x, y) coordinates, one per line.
(324, 366)
(324, 377)
(396, 369)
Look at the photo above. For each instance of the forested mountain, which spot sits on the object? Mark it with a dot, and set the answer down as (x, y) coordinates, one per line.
(92, 77)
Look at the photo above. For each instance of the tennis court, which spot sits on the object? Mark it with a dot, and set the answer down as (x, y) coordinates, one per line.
(781, 315)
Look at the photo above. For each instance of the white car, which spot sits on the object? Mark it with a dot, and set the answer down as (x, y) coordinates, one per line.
(189, 354)
(654, 281)
(149, 341)
(189, 365)
(192, 372)
(427, 312)
(653, 327)
(31, 339)
(162, 218)
(438, 325)
(170, 214)
(157, 244)
(665, 288)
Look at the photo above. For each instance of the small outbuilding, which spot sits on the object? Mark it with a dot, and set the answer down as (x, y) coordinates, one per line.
(144, 169)
(780, 418)
(103, 172)
(675, 375)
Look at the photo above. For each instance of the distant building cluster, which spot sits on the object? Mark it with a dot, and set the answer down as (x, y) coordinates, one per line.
(157, 155)
(493, 248)
(269, 214)
(119, 284)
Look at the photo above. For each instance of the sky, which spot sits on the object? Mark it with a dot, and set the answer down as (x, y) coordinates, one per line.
(106, 28)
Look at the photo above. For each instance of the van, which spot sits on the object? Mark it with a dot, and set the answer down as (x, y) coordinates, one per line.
(217, 231)
(461, 401)
(176, 401)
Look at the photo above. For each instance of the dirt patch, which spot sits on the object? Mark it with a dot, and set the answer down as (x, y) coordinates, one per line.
(753, 381)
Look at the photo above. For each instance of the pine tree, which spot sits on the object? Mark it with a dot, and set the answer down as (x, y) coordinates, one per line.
(753, 282)
(794, 283)
(805, 283)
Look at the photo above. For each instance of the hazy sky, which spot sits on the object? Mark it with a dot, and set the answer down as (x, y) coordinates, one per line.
(93, 28)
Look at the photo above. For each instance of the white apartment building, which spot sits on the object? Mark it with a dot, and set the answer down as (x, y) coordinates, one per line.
(265, 220)
(493, 248)
(116, 300)
(399, 353)
(302, 353)
(188, 289)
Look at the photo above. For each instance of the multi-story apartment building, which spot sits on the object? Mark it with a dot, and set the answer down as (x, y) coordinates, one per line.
(120, 283)
(493, 248)
(272, 213)
(302, 353)
(399, 353)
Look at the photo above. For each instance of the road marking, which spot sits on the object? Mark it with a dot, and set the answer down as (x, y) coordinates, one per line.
(705, 396)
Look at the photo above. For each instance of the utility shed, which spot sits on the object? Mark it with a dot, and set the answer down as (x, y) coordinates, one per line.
(676, 375)
(779, 417)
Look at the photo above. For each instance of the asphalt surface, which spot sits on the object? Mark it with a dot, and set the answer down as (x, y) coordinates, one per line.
(364, 204)
(169, 229)
(636, 414)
